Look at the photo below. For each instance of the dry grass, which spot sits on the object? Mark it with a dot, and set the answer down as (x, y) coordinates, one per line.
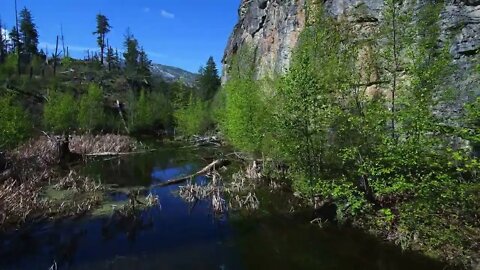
(32, 167)
(44, 149)
(41, 150)
(77, 183)
(89, 144)
(19, 202)
(240, 193)
(213, 192)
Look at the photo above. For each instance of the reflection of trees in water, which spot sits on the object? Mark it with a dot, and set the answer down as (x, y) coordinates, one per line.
(61, 245)
(66, 250)
(128, 224)
(136, 170)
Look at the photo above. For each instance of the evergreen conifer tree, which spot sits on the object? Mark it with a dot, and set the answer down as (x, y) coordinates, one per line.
(209, 80)
(28, 33)
(103, 28)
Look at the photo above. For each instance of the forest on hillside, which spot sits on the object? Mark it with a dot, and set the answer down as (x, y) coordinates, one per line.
(59, 94)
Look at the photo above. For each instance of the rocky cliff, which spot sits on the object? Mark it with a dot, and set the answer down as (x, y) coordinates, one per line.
(272, 27)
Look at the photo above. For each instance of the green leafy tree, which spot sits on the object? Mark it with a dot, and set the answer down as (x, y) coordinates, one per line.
(103, 28)
(148, 111)
(396, 30)
(60, 112)
(209, 80)
(15, 125)
(471, 129)
(9, 67)
(143, 117)
(91, 115)
(310, 98)
(28, 32)
(194, 118)
(244, 114)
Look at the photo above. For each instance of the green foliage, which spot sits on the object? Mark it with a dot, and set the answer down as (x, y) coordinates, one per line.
(9, 68)
(245, 114)
(310, 114)
(209, 81)
(137, 64)
(387, 161)
(144, 65)
(28, 32)
(103, 27)
(147, 111)
(472, 121)
(60, 112)
(3, 44)
(91, 115)
(131, 54)
(14, 36)
(194, 118)
(15, 124)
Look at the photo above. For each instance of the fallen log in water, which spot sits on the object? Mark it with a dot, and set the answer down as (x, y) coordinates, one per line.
(212, 166)
(200, 141)
(110, 154)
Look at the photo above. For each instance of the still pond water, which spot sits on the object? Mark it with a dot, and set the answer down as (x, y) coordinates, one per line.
(179, 236)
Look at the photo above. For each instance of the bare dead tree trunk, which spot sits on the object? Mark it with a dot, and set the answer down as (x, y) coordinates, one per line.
(18, 36)
(122, 115)
(55, 59)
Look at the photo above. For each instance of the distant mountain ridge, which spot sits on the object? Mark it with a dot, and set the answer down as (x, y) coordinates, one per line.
(172, 74)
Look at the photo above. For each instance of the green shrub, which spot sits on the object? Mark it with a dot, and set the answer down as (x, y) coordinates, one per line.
(246, 117)
(148, 112)
(91, 115)
(15, 124)
(60, 112)
(9, 67)
(194, 118)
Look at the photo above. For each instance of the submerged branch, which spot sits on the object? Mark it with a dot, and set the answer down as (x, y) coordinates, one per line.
(212, 166)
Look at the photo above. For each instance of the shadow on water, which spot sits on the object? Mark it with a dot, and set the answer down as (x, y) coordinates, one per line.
(175, 237)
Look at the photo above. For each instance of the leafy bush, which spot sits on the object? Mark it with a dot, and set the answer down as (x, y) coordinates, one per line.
(91, 115)
(148, 111)
(194, 118)
(245, 118)
(9, 67)
(60, 112)
(15, 124)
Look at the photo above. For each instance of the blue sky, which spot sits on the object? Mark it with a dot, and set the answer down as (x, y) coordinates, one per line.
(182, 33)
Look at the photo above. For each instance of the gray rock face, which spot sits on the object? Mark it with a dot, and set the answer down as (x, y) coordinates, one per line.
(272, 27)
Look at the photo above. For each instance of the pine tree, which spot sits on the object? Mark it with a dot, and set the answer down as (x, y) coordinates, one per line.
(144, 65)
(103, 28)
(14, 36)
(3, 44)
(209, 81)
(110, 58)
(28, 32)
(131, 54)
